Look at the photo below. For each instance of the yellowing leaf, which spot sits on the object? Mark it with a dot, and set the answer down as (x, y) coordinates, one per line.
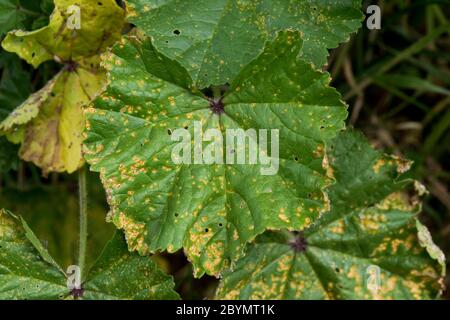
(49, 124)
(100, 24)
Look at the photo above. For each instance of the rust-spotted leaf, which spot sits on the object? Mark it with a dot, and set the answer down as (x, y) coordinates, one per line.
(371, 245)
(210, 210)
(213, 39)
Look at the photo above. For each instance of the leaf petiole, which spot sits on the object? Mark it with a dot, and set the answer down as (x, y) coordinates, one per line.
(82, 186)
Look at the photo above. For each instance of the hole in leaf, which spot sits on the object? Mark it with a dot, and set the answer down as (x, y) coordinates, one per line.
(208, 92)
(176, 32)
(215, 92)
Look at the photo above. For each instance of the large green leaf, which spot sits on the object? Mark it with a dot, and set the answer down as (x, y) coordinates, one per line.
(49, 124)
(27, 271)
(372, 228)
(213, 39)
(210, 210)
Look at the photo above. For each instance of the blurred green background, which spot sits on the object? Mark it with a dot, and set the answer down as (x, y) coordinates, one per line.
(396, 82)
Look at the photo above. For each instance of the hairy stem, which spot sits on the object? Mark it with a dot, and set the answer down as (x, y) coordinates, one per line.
(83, 219)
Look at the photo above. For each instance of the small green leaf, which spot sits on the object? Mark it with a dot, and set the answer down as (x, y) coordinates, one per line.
(370, 246)
(118, 274)
(53, 214)
(27, 271)
(38, 245)
(24, 273)
(211, 211)
(213, 39)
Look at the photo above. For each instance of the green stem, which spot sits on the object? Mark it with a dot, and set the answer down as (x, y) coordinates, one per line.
(83, 220)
